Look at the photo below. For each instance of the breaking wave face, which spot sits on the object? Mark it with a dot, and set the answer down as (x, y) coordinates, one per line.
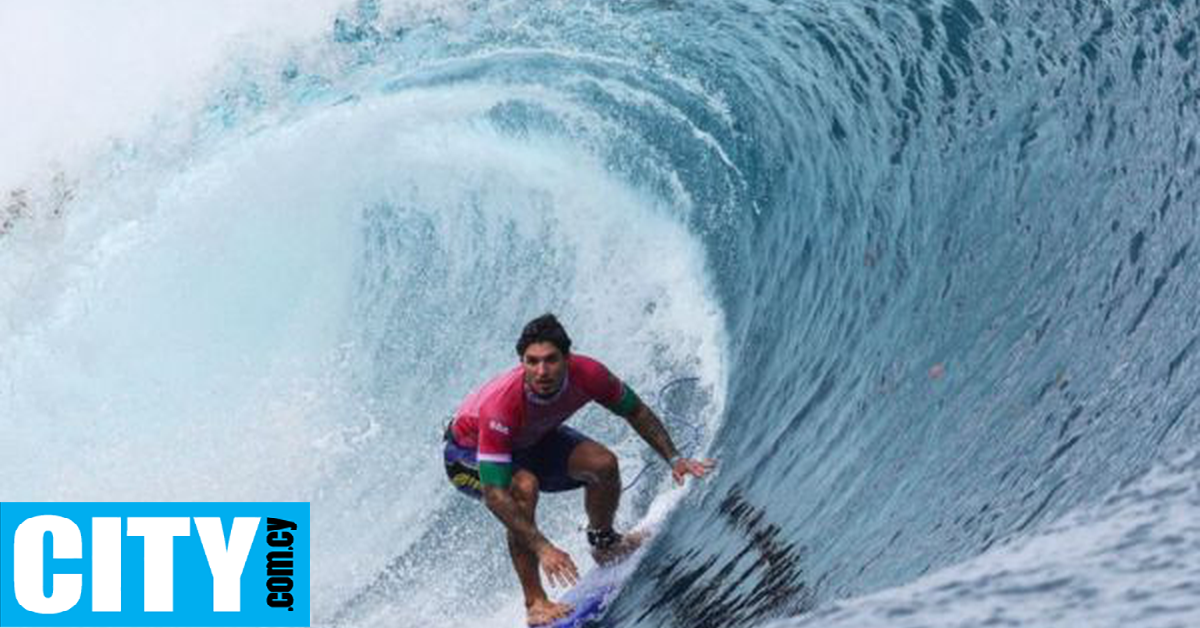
(921, 275)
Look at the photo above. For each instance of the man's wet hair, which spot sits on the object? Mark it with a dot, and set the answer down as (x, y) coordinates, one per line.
(544, 328)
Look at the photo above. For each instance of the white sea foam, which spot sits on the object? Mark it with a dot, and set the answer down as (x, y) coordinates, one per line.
(78, 76)
(213, 320)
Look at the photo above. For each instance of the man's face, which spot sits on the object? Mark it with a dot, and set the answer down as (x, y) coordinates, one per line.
(545, 367)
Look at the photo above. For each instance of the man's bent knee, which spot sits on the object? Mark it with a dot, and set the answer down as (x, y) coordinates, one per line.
(596, 464)
(607, 465)
(524, 487)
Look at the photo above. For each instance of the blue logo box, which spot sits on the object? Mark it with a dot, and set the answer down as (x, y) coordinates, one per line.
(154, 564)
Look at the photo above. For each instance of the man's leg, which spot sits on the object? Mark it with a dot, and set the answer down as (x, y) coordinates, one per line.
(538, 607)
(596, 466)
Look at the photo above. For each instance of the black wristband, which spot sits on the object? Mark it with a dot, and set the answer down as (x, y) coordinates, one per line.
(602, 539)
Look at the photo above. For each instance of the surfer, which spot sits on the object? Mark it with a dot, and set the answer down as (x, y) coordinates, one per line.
(507, 443)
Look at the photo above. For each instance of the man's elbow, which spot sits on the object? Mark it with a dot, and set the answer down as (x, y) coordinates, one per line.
(638, 413)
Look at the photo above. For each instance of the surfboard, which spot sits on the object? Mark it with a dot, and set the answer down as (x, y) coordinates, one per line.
(588, 606)
(591, 595)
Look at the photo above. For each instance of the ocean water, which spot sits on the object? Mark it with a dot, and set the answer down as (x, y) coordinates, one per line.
(921, 276)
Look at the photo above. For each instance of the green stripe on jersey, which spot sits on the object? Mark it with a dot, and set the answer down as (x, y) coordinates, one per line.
(628, 403)
(495, 473)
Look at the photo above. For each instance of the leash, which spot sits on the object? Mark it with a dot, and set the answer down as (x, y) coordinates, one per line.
(689, 440)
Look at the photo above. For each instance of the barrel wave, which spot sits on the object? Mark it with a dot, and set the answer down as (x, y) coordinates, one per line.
(921, 276)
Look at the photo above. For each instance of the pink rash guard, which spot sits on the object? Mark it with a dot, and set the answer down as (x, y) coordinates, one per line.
(504, 415)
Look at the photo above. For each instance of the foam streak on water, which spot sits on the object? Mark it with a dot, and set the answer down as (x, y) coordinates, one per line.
(1127, 560)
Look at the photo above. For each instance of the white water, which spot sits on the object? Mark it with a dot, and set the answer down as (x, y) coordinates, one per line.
(78, 76)
(207, 319)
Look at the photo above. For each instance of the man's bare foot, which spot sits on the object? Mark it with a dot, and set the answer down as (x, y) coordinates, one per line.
(544, 611)
(621, 549)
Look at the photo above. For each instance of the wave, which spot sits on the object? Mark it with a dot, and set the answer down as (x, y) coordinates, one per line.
(929, 266)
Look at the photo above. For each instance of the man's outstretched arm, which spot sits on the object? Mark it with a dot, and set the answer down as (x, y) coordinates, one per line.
(500, 501)
(652, 430)
(557, 564)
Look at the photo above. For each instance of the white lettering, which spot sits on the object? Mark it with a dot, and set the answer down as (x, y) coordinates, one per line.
(106, 564)
(227, 564)
(160, 533)
(65, 542)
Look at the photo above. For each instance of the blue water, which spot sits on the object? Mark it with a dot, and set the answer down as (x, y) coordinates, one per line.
(928, 270)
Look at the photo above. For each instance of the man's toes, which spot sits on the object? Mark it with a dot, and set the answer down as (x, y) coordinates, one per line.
(548, 613)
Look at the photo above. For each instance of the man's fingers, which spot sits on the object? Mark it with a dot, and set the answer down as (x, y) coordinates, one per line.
(569, 570)
(695, 468)
(561, 571)
(553, 575)
(566, 576)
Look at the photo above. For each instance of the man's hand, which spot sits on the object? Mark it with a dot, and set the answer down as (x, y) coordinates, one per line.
(560, 569)
(684, 467)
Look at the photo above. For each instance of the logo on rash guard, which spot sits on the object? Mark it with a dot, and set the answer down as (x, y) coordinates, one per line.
(499, 427)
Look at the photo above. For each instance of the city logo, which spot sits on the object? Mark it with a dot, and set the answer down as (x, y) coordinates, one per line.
(154, 564)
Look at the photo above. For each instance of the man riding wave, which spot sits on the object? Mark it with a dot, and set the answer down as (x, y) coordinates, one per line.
(507, 443)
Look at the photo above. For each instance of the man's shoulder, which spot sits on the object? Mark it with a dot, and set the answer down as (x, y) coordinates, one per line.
(581, 362)
(503, 390)
(595, 379)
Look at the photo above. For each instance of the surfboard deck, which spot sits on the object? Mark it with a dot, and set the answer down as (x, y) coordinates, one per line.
(591, 595)
(587, 607)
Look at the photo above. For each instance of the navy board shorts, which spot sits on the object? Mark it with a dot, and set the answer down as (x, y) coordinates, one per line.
(546, 459)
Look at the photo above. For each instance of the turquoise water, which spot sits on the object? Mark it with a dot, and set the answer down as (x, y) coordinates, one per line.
(927, 269)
